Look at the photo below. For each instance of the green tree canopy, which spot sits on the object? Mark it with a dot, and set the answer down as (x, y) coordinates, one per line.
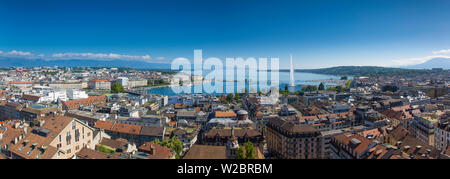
(250, 150)
(321, 87)
(240, 153)
(172, 143)
(230, 97)
(117, 88)
(247, 151)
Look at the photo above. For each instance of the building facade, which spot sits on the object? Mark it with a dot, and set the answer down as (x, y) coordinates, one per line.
(293, 141)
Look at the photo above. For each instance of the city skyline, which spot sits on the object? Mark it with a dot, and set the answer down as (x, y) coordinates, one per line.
(194, 80)
(319, 34)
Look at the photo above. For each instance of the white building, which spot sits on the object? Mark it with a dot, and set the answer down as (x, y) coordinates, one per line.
(442, 135)
(51, 96)
(47, 94)
(123, 81)
(76, 94)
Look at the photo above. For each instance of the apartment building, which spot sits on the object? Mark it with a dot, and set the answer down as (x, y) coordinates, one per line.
(350, 146)
(133, 133)
(21, 84)
(288, 140)
(422, 127)
(133, 83)
(100, 84)
(442, 134)
(91, 100)
(55, 137)
(76, 85)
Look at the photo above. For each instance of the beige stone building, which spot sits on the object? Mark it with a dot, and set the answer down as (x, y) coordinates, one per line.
(133, 83)
(77, 85)
(55, 137)
(287, 140)
(100, 84)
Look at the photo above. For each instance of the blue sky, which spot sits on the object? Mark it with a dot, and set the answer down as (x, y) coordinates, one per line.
(318, 33)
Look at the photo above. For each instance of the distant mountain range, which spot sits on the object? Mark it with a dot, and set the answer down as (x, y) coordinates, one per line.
(364, 71)
(443, 63)
(11, 62)
(340, 70)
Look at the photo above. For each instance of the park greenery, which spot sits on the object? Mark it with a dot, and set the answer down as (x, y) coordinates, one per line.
(320, 87)
(369, 71)
(173, 143)
(248, 151)
(105, 149)
(159, 82)
(117, 88)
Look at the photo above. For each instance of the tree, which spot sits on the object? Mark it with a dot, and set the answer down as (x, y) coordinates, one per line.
(321, 87)
(250, 151)
(260, 93)
(230, 97)
(161, 81)
(309, 88)
(348, 83)
(237, 97)
(117, 88)
(240, 153)
(173, 143)
(331, 88)
(247, 151)
(150, 82)
(339, 89)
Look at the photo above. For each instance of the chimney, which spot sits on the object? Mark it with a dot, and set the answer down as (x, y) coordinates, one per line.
(16, 125)
(399, 144)
(405, 148)
(418, 147)
(428, 152)
(41, 122)
(152, 150)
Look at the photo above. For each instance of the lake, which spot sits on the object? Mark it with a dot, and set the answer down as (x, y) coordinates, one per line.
(231, 86)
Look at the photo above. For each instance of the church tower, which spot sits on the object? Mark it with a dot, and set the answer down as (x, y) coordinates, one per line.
(232, 145)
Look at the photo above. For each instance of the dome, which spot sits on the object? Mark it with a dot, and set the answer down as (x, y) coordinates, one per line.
(242, 112)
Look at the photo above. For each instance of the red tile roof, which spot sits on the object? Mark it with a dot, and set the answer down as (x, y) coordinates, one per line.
(86, 153)
(30, 97)
(104, 125)
(99, 81)
(222, 114)
(156, 151)
(91, 100)
(20, 82)
(126, 128)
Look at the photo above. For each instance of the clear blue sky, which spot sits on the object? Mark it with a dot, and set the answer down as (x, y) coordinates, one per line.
(318, 33)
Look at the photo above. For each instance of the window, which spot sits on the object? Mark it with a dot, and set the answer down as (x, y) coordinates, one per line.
(59, 145)
(77, 135)
(68, 138)
(60, 140)
(68, 151)
(74, 125)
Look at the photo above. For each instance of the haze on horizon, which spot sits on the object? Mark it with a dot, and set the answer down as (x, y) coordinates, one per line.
(321, 33)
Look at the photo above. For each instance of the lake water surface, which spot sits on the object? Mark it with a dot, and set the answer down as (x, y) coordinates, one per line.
(231, 86)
